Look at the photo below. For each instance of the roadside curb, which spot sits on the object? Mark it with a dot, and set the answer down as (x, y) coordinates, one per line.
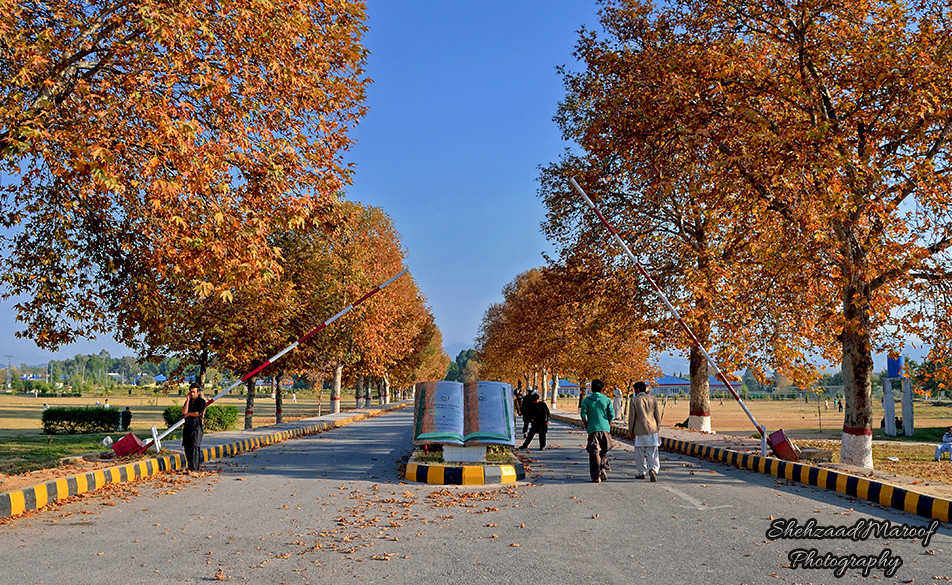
(33, 498)
(873, 491)
(465, 474)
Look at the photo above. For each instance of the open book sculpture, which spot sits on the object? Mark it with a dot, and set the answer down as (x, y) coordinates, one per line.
(453, 413)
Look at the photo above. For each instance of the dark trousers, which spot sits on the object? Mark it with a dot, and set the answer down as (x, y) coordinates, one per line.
(525, 423)
(192, 444)
(599, 443)
(542, 430)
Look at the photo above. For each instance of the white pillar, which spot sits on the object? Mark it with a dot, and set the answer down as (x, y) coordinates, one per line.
(908, 418)
(889, 407)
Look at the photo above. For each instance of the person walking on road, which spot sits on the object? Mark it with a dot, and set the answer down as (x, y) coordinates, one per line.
(644, 420)
(597, 415)
(193, 410)
(527, 410)
(539, 417)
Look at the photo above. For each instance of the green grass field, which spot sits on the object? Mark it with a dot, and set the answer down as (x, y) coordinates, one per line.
(24, 447)
(800, 420)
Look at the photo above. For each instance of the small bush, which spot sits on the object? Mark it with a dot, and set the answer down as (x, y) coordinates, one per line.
(79, 419)
(172, 414)
(218, 417)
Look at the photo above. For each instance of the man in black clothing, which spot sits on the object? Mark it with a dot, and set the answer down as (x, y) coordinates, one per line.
(540, 421)
(193, 410)
(125, 419)
(527, 404)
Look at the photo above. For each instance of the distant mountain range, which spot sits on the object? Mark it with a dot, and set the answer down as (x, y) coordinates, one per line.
(453, 349)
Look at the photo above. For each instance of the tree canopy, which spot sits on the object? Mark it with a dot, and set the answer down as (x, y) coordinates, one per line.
(548, 323)
(147, 141)
(818, 131)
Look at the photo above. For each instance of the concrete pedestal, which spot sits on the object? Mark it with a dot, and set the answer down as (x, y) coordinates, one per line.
(456, 454)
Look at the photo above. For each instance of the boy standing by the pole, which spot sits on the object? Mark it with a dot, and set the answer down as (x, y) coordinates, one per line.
(193, 410)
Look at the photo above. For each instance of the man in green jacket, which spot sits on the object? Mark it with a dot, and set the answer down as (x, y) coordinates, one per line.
(597, 413)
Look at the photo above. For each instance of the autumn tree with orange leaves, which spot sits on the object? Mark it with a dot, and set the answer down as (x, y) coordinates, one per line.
(556, 321)
(425, 360)
(386, 326)
(155, 141)
(827, 122)
(390, 338)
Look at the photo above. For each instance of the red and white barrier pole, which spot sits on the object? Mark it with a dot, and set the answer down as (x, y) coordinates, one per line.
(284, 351)
(674, 312)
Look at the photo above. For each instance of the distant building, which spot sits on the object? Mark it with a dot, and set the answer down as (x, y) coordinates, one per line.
(668, 385)
(568, 388)
(663, 386)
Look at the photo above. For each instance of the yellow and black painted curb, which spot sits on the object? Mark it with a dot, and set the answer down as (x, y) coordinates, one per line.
(865, 489)
(34, 498)
(465, 474)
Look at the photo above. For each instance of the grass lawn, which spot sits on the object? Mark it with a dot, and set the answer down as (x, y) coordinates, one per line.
(24, 447)
(912, 459)
(494, 456)
(809, 426)
(804, 421)
(29, 452)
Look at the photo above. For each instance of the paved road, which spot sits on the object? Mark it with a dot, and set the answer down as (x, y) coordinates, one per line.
(331, 509)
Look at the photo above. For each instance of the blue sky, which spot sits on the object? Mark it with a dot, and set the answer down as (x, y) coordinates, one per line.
(460, 118)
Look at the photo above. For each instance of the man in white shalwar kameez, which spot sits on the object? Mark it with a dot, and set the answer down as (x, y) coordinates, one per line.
(644, 421)
(945, 446)
(616, 402)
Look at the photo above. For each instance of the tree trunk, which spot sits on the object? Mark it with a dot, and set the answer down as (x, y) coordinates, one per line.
(386, 390)
(202, 368)
(359, 392)
(320, 397)
(250, 404)
(278, 399)
(335, 388)
(699, 418)
(582, 391)
(544, 395)
(856, 447)
(555, 389)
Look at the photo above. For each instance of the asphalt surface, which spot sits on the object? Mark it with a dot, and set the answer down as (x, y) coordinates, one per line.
(333, 508)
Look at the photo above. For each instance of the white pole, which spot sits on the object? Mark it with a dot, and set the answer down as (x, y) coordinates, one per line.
(284, 351)
(670, 307)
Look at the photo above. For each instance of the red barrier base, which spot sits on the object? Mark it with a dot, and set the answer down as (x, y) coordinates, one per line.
(127, 445)
(782, 446)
